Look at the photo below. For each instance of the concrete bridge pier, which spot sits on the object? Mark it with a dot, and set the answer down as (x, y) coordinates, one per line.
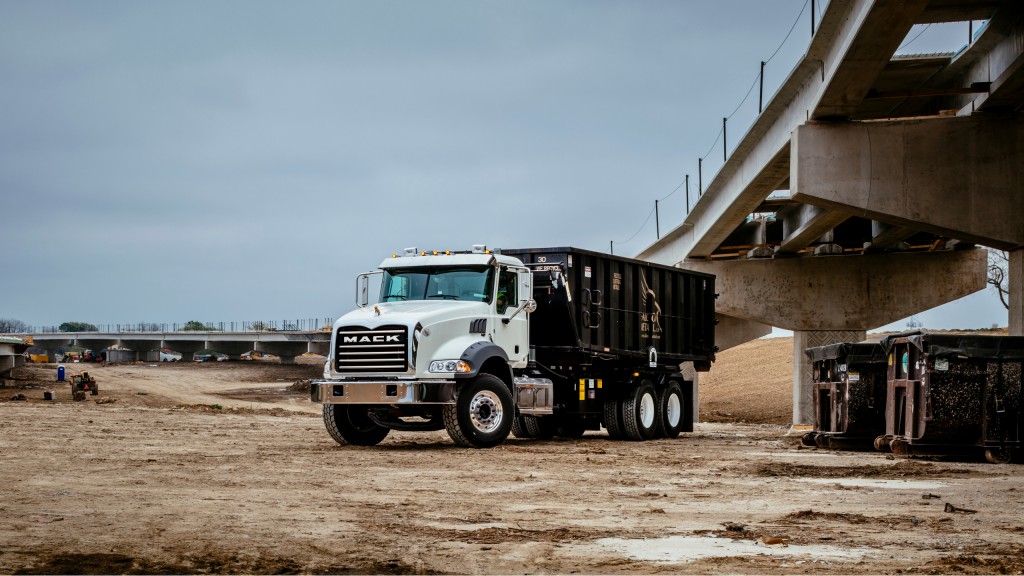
(322, 347)
(803, 380)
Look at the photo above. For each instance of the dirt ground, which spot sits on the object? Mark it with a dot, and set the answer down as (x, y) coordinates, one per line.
(224, 468)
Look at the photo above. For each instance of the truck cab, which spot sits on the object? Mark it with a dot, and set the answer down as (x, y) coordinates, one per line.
(440, 349)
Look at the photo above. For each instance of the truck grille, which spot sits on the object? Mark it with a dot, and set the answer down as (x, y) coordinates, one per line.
(361, 349)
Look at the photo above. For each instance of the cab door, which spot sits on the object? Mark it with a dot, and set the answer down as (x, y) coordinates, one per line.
(511, 328)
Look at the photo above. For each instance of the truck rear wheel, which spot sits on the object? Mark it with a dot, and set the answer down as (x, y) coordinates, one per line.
(671, 401)
(613, 418)
(352, 425)
(482, 414)
(519, 428)
(640, 413)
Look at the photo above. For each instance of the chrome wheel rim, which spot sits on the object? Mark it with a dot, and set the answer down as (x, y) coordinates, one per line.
(485, 411)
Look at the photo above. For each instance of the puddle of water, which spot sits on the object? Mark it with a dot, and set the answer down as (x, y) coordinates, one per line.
(877, 483)
(679, 549)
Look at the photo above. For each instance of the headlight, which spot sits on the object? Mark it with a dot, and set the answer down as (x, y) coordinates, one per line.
(449, 366)
(327, 369)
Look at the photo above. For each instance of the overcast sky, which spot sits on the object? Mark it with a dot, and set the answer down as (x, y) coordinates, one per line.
(244, 160)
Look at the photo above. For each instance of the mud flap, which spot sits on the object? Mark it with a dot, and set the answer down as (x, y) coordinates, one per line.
(687, 423)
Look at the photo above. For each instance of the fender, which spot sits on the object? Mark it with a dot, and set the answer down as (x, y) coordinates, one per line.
(478, 354)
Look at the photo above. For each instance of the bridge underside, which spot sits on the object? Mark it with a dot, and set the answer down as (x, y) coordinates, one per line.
(860, 194)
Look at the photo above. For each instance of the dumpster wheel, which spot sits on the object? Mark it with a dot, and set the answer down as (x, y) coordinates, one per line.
(999, 455)
(882, 443)
(899, 447)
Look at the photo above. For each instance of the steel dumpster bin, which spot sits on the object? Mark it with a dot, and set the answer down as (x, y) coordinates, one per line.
(849, 384)
(953, 394)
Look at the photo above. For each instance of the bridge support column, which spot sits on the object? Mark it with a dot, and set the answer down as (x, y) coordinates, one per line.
(1016, 288)
(803, 392)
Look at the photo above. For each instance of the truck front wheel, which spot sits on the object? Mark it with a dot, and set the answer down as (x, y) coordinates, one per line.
(640, 413)
(482, 414)
(352, 425)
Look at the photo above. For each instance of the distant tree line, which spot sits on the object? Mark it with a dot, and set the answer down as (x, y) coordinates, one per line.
(196, 326)
(77, 327)
(12, 326)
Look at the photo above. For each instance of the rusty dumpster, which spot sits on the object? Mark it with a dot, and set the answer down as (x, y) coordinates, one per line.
(849, 386)
(953, 395)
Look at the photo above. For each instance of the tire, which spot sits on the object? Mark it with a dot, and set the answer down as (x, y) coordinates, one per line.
(351, 424)
(519, 428)
(899, 447)
(999, 455)
(640, 413)
(613, 419)
(540, 427)
(809, 439)
(482, 415)
(672, 405)
(881, 443)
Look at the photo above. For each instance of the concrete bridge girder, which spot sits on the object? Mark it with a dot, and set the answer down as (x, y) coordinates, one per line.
(843, 292)
(887, 235)
(957, 177)
(804, 224)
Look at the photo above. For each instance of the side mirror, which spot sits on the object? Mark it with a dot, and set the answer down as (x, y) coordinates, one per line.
(363, 287)
(528, 305)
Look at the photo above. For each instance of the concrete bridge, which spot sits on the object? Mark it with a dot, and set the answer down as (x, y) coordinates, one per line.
(11, 353)
(285, 345)
(859, 195)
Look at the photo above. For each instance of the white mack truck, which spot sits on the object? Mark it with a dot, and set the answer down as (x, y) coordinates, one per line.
(537, 342)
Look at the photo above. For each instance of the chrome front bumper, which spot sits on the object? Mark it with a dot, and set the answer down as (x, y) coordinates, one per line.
(382, 392)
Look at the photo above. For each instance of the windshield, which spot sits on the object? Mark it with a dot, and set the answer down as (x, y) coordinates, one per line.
(469, 284)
